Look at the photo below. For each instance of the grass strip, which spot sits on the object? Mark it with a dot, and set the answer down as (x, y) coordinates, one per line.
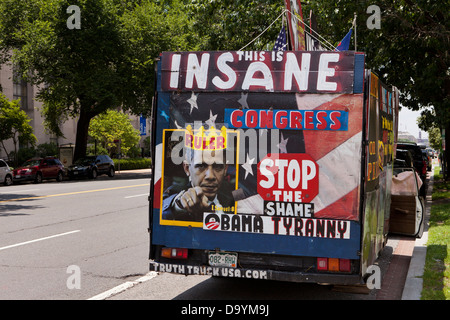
(436, 277)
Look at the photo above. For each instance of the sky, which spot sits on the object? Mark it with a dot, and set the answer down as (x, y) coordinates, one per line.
(408, 122)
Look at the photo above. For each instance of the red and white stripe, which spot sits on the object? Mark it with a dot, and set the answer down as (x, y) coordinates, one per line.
(157, 176)
(338, 154)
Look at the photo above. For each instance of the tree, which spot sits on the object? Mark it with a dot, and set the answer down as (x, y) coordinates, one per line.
(231, 24)
(409, 51)
(14, 124)
(107, 63)
(111, 126)
(434, 136)
(149, 28)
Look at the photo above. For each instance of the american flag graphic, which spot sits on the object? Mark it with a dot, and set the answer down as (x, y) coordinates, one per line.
(339, 159)
(280, 42)
(338, 154)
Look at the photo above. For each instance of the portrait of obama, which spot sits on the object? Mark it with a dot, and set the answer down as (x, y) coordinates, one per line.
(206, 190)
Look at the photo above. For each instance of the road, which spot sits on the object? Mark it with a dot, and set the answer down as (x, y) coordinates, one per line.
(72, 240)
(78, 239)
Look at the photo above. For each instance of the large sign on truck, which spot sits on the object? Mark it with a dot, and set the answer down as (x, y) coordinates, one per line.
(266, 165)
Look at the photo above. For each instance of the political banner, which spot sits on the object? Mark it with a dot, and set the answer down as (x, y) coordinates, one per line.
(259, 71)
(286, 162)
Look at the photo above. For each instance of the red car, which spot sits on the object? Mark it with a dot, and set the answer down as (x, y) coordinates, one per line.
(38, 169)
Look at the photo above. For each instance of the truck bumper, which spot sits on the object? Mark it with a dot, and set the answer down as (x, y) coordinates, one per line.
(264, 274)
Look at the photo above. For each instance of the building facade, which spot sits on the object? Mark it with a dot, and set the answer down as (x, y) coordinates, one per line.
(14, 88)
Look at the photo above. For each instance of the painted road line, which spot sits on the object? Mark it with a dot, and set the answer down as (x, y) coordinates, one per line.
(40, 239)
(72, 193)
(136, 195)
(124, 286)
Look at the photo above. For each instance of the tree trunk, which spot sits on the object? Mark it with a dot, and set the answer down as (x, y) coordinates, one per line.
(82, 134)
(447, 152)
(16, 156)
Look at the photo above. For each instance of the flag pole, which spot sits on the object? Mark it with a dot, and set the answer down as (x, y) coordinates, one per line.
(288, 31)
(354, 24)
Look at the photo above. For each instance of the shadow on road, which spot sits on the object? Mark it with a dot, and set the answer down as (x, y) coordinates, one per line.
(12, 203)
(250, 289)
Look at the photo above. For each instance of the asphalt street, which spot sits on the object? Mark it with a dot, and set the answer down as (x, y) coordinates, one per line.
(72, 240)
(88, 239)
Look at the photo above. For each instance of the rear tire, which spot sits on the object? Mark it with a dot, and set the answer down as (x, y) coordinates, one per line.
(38, 178)
(111, 171)
(8, 180)
(94, 174)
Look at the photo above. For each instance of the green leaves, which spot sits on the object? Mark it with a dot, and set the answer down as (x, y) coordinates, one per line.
(14, 124)
(111, 126)
(410, 51)
(109, 62)
(150, 28)
(230, 25)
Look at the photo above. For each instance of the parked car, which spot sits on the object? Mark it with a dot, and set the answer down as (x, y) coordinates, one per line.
(403, 159)
(427, 159)
(38, 169)
(91, 167)
(6, 174)
(419, 163)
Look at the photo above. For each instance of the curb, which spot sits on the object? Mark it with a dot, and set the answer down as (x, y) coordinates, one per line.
(122, 174)
(132, 174)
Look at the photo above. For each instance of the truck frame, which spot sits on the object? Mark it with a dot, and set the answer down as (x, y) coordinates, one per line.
(298, 148)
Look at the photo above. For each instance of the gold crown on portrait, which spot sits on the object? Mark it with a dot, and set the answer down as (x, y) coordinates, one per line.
(201, 139)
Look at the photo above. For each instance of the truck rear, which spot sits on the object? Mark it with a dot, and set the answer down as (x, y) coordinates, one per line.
(270, 165)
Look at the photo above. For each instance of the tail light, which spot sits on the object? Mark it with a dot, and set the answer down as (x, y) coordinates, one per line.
(322, 264)
(174, 253)
(345, 265)
(334, 265)
(424, 168)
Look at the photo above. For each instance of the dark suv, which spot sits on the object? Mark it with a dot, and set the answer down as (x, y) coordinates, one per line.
(38, 169)
(92, 166)
(419, 162)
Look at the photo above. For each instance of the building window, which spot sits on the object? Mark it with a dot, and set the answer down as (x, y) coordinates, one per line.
(20, 90)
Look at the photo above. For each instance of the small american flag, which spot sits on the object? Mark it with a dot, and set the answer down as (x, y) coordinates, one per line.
(281, 43)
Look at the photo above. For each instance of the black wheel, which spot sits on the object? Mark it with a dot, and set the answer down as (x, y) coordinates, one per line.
(38, 178)
(111, 171)
(94, 174)
(8, 180)
(59, 177)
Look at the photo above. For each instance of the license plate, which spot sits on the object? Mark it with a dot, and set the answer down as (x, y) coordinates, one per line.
(75, 172)
(17, 176)
(222, 259)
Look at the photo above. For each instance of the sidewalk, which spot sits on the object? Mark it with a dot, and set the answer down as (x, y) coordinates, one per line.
(408, 255)
(133, 174)
(393, 282)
